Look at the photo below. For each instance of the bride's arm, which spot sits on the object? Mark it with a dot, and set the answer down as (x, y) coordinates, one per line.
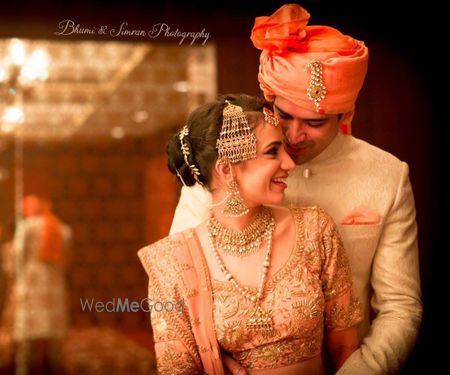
(341, 344)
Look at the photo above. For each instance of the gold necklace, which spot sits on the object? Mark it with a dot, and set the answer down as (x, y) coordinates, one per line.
(259, 320)
(244, 242)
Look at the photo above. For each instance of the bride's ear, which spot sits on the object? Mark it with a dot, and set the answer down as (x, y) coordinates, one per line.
(223, 172)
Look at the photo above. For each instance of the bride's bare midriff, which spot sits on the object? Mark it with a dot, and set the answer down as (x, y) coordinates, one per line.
(313, 366)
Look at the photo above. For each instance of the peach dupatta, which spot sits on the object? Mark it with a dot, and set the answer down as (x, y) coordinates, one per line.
(187, 341)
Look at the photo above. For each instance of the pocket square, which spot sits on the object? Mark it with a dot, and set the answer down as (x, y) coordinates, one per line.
(361, 215)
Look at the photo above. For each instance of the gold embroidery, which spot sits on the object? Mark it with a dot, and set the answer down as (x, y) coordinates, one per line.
(278, 354)
(191, 293)
(343, 312)
(230, 307)
(166, 283)
(316, 270)
(306, 309)
(229, 332)
(338, 275)
(175, 362)
(315, 282)
(203, 349)
(195, 321)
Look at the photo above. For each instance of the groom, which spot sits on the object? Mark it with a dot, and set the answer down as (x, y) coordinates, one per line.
(313, 75)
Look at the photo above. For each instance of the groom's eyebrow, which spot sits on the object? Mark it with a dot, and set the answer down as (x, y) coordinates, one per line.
(322, 119)
(288, 116)
(283, 113)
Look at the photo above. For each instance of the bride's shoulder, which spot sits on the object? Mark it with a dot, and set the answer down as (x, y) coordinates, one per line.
(166, 245)
(311, 216)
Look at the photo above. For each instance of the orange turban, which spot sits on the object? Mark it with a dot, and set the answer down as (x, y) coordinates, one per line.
(289, 47)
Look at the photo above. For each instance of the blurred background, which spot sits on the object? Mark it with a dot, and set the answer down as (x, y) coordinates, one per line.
(84, 118)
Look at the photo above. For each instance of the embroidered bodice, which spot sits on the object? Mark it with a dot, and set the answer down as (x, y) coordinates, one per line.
(312, 291)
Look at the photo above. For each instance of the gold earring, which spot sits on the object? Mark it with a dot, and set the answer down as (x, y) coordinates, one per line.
(234, 204)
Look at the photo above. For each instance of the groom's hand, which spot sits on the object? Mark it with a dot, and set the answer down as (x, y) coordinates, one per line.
(232, 367)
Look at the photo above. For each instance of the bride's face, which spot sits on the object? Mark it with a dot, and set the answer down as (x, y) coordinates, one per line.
(262, 180)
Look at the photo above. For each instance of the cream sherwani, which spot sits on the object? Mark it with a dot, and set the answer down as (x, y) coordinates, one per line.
(384, 257)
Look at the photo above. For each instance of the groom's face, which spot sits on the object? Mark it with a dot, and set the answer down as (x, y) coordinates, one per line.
(306, 133)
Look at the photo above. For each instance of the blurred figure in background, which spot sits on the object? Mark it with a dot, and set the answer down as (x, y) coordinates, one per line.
(40, 318)
(6, 308)
(6, 263)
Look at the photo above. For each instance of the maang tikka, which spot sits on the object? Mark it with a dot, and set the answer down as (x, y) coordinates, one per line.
(236, 143)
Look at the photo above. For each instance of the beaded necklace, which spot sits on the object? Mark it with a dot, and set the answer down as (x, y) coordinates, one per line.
(259, 320)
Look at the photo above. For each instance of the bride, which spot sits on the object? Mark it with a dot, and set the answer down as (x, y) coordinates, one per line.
(264, 283)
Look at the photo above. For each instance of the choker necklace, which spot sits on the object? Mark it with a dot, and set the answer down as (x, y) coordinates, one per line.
(259, 320)
(243, 242)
